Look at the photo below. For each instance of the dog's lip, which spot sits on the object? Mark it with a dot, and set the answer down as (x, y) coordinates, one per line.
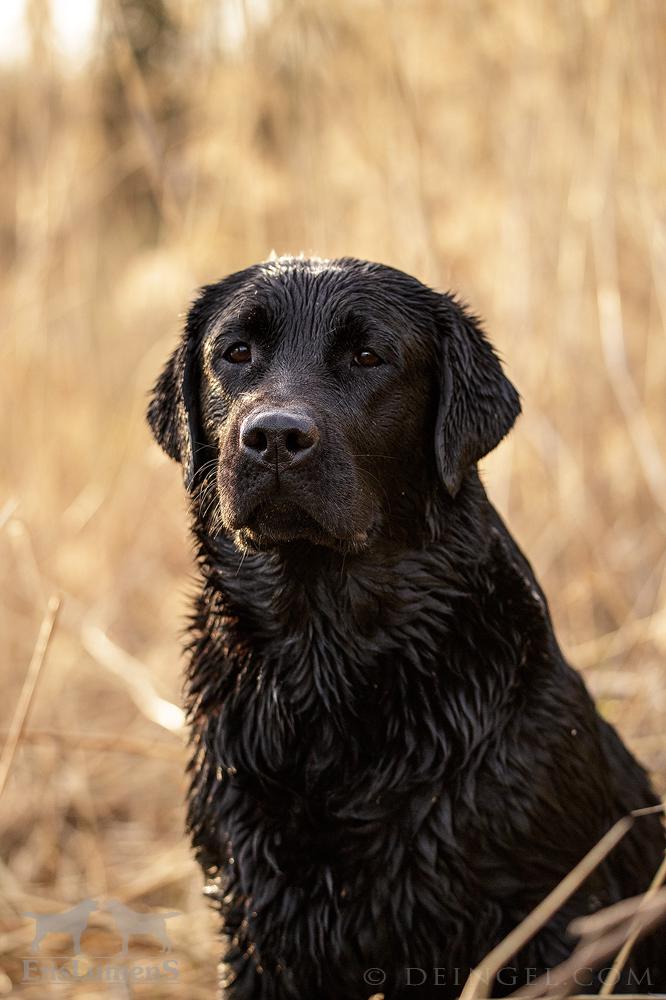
(279, 518)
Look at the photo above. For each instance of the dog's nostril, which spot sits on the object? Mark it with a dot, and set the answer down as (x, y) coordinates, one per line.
(256, 439)
(298, 440)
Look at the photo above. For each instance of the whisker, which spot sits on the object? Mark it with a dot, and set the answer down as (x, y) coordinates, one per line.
(242, 560)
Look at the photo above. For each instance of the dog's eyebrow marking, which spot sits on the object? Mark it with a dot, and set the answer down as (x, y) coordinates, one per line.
(242, 320)
(354, 328)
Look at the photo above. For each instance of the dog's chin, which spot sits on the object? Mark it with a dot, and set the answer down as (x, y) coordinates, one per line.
(278, 523)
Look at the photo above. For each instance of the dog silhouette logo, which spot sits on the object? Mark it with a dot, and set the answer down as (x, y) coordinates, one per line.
(131, 922)
(72, 922)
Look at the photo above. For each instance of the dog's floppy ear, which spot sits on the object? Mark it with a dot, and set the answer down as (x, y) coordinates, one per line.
(477, 403)
(173, 411)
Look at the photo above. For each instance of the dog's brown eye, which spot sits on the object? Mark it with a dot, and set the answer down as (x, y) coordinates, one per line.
(367, 359)
(238, 354)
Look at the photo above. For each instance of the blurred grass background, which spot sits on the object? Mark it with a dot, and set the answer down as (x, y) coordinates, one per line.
(509, 149)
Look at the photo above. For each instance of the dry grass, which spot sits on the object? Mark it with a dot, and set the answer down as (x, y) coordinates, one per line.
(510, 149)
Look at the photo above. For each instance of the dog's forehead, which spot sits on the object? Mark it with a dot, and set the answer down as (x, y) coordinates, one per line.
(310, 296)
(306, 299)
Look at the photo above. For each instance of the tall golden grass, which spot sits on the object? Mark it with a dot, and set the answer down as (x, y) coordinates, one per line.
(509, 149)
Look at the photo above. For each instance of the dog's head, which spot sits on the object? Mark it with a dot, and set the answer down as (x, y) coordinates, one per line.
(328, 398)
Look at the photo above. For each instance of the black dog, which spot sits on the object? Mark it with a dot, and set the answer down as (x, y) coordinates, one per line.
(393, 763)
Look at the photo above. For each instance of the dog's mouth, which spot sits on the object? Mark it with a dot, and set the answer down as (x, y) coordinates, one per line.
(279, 521)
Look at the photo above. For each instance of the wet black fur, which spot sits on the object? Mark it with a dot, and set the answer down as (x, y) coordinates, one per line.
(393, 763)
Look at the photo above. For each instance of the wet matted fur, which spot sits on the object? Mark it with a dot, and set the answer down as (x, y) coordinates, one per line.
(392, 761)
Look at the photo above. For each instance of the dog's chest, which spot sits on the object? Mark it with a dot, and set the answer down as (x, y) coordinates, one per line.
(358, 715)
(337, 785)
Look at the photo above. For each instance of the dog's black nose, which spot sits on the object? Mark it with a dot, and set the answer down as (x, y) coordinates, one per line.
(278, 436)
